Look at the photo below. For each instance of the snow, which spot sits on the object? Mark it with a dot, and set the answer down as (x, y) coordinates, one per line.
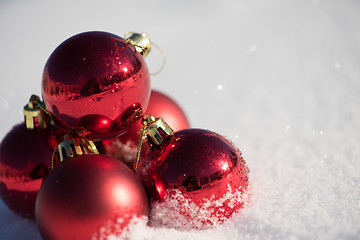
(280, 78)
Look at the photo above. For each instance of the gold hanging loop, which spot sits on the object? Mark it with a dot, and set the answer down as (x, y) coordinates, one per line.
(164, 61)
(142, 135)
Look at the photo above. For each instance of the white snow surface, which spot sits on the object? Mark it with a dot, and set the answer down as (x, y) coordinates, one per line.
(280, 78)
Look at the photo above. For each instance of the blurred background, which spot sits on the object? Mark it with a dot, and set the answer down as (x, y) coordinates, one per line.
(280, 78)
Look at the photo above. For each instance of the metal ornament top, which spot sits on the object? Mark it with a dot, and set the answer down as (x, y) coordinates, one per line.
(35, 115)
(141, 42)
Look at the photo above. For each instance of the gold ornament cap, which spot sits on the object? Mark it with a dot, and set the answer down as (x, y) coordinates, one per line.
(152, 130)
(34, 114)
(70, 148)
(141, 42)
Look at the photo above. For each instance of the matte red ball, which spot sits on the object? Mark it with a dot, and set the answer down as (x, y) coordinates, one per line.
(24, 160)
(124, 147)
(96, 84)
(86, 193)
(201, 173)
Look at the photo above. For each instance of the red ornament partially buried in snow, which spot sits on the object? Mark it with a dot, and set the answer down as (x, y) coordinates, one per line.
(198, 178)
(96, 84)
(89, 196)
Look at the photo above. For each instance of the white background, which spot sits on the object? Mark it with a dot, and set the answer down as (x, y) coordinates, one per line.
(280, 78)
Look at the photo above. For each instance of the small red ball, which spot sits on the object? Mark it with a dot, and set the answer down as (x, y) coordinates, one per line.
(96, 84)
(201, 174)
(161, 105)
(124, 147)
(88, 196)
(24, 160)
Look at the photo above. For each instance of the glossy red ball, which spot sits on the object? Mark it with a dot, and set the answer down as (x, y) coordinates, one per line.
(24, 160)
(201, 173)
(161, 105)
(96, 84)
(88, 196)
(124, 147)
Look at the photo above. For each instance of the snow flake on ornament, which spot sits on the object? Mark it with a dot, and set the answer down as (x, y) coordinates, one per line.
(180, 212)
(114, 229)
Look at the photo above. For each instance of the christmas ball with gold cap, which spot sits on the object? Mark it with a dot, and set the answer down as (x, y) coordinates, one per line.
(88, 195)
(97, 84)
(25, 154)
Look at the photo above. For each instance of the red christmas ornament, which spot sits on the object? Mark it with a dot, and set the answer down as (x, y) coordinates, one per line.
(161, 105)
(89, 196)
(199, 178)
(124, 147)
(24, 160)
(25, 154)
(96, 84)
